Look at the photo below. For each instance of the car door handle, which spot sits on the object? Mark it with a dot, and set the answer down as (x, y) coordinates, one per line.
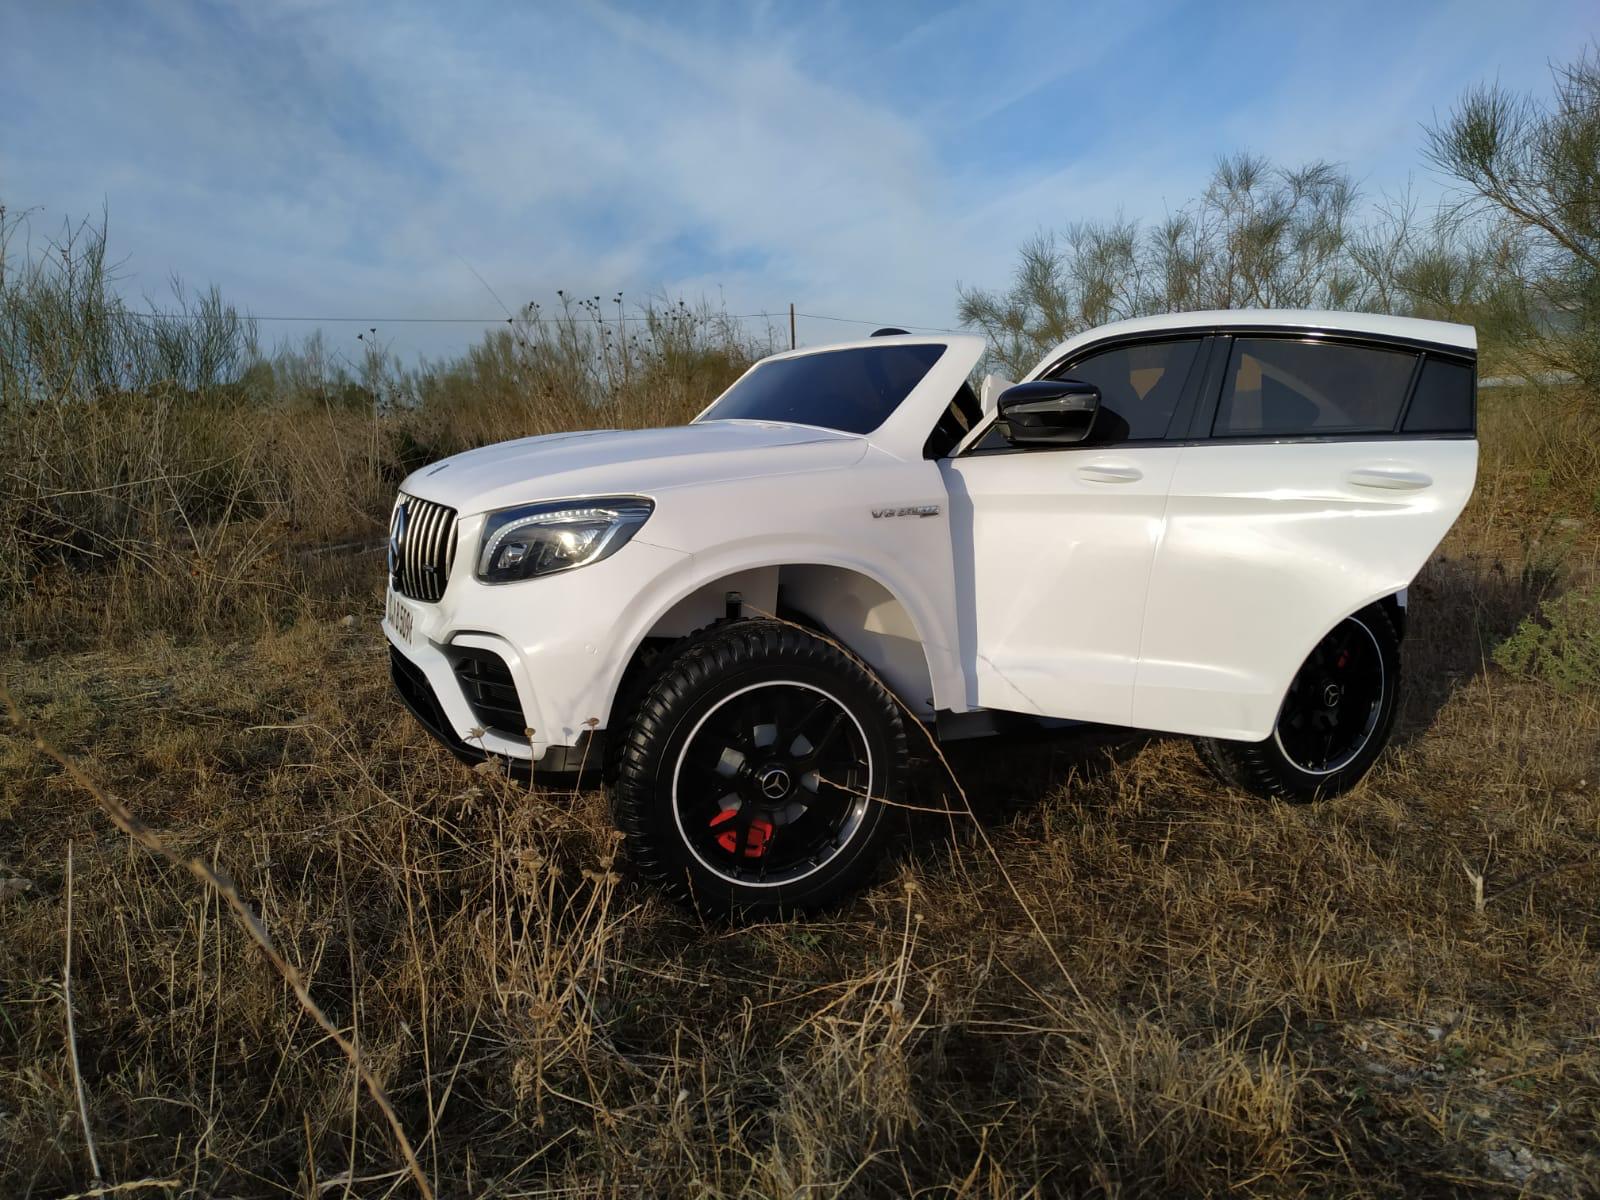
(1107, 473)
(1390, 479)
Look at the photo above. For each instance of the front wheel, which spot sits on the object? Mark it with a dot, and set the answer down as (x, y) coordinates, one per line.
(1335, 720)
(756, 773)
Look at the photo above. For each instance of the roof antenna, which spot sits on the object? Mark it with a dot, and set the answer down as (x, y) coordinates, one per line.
(889, 331)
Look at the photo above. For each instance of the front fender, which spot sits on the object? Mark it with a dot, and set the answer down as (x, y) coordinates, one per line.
(929, 607)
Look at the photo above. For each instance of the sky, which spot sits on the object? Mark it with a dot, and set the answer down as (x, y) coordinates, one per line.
(856, 159)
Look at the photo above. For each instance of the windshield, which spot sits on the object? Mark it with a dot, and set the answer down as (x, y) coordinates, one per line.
(853, 391)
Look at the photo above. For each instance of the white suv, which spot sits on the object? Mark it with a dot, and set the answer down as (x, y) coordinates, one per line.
(1202, 523)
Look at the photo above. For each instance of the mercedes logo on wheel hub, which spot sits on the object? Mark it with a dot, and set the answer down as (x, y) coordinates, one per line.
(774, 783)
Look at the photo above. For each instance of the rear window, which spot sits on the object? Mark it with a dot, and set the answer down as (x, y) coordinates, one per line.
(853, 391)
(1443, 400)
(1280, 387)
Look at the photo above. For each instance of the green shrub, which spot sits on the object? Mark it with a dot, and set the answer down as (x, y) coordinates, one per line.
(1561, 645)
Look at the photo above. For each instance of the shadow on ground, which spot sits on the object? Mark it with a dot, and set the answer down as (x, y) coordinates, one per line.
(1005, 775)
(1460, 609)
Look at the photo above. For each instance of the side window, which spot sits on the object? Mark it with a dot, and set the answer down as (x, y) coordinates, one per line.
(1139, 388)
(1443, 399)
(1281, 387)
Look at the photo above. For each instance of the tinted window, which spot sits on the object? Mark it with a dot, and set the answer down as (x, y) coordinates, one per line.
(1443, 400)
(853, 391)
(1280, 387)
(1139, 388)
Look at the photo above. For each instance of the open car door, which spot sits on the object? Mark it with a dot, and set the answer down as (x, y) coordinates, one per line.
(1053, 544)
(1318, 474)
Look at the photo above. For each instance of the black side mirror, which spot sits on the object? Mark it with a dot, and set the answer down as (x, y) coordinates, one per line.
(1048, 412)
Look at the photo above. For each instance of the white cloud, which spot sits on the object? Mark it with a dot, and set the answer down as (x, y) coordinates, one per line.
(324, 159)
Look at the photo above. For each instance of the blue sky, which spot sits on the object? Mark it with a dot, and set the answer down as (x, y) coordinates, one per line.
(857, 159)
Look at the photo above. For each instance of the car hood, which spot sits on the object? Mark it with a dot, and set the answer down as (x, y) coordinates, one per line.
(559, 466)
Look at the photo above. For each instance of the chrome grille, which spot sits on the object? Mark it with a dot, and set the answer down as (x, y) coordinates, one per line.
(422, 547)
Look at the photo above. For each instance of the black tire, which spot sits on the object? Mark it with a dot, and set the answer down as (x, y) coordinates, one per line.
(800, 824)
(1322, 743)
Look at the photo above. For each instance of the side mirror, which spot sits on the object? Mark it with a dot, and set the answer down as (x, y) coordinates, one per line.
(1048, 412)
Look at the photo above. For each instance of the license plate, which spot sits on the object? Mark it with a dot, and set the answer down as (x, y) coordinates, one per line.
(399, 615)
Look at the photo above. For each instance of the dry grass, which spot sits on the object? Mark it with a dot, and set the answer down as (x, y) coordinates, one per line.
(1188, 992)
(193, 478)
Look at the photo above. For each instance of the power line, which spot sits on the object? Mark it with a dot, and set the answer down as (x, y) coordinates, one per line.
(410, 320)
(374, 321)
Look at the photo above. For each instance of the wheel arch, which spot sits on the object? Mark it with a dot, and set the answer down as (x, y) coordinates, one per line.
(846, 600)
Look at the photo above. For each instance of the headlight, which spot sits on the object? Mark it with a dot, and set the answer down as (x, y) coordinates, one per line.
(541, 539)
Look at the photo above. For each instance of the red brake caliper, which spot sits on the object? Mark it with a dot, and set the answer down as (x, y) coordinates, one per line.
(755, 844)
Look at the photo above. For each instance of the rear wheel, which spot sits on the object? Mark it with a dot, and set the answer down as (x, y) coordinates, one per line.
(1335, 720)
(757, 772)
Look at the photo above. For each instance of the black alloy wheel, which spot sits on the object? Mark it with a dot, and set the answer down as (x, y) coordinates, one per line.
(772, 782)
(1334, 703)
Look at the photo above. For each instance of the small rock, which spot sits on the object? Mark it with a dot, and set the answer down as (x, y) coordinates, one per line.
(1521, 1165)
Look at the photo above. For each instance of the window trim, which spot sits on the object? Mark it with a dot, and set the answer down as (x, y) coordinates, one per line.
(1330, 332)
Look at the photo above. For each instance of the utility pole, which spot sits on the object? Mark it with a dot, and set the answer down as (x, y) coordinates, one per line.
(791, 325)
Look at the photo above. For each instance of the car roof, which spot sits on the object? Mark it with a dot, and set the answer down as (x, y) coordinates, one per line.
(1439, 333)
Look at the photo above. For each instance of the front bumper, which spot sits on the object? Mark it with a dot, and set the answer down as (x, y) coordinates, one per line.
(417, 694)
(524, 672)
